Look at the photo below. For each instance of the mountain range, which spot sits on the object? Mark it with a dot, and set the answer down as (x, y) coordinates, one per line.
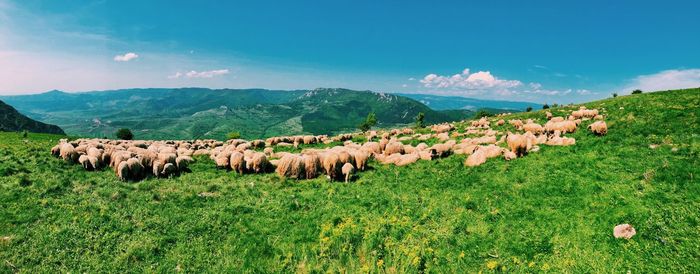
(187, 113)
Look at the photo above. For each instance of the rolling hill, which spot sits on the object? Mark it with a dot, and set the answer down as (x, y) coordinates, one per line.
(12, 120)
(188, 113)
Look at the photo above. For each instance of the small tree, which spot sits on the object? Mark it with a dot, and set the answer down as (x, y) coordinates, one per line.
(419, 120)
(528, 109)
(637, 91)
(369, 122)
(233, 135)
(25, 133)
(545, 106)
(614, 95)
(481, 113)
(124, 134)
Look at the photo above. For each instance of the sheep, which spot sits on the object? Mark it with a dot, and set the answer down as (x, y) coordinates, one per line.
(533, 127)
(599, 117)
(56, 150)
(393, 147)
(501, 122)
(518, 144)
(442, 150)
(182, 162)
(509, 155)
(135, 168)
(259, 162)
(122, 171)
(548, 115)
(560, 141)
(406, 159)
(625, 231)
(268, 151)
(331, 164)
(168, 170)
(598, 128)
(157, 168)
(476, 159)
(237, 162)
(222, 162)
(345, 157)
(563, 126)
(312, 164)
(518, 124)
(85, 162)
(291, 166)
(361, 158)
(348, 171)
(371, 147)
(68, 153)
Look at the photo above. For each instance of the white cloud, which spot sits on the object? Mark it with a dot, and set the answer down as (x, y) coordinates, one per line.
(469, 81)
(126, 57)
(666, 80)
(200, 74)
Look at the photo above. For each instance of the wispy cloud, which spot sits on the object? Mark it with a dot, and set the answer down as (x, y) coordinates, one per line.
(665, 80)
(199, 74)
(126, 57)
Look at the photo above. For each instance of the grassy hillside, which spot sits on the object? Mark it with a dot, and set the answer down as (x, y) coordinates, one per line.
(552, 211)
(12, 120)
(204, 113)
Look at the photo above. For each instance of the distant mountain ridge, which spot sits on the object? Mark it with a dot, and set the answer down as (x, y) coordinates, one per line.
(187, 113)
(455, 102)
(12, 120)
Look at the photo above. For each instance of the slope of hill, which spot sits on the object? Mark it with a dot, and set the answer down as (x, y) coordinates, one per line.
(455, 102)
(204, 113)
(12, 120)
(551, 211)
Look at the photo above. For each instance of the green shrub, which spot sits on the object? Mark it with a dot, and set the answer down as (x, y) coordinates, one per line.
(481, 113)
(233, 135)
(124, 134)
(637, 91)
(369, 122)
(419, 120)
(528, 109)
(614, 95)
(546, 106)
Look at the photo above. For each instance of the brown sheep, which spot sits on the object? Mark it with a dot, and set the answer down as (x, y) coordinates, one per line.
(68, 153)
(85, 162)
(501, 122)
(518, 124)
(312, 165)
(599, 128)
(168, 169)
(182, 162)
(533, 127)
(361, 158)
(259, 162)
(406, 159)
(345, 157)
(348, 171)
(122, 171)
(371, 147)
(549, 115)
(222, 162)
(476, 159)
(135, 168)
(509, 155)
(291, 166)
(518, 144)
(331, 164)
(56, 150)
(157, 168)
(393, 147)
(237, 162)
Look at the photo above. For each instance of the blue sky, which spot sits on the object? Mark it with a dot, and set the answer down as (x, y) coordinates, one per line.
(543, 51)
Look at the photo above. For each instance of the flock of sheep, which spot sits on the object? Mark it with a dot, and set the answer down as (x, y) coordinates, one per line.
(135, 160)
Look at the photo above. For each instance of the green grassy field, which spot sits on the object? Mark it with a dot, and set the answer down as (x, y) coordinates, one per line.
(551, 211)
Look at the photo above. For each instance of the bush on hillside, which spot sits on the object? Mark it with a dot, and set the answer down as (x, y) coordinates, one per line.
(233, 135)
(545, 106)
(419, 120)
(369, 122)
(481, 113)
(637, 91)
(124, 134)
(614, 95)
(528, 109)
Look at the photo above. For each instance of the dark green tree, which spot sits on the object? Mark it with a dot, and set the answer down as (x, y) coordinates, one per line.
(545, 106)
(481, 113)
(637, 91)
(124, 134)
(369, 122)
(419, 120)
(528, 109)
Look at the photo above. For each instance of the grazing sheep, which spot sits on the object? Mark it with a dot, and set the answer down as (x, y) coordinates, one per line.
(157, 168)
(268, 151)
(549, 115)
(56, 150)
(518, 144)
(237, 162)
(557, 119)
(371, 147)
(182, 162)
(291, 166)
(406, 159)
(222, 162)
(476, 159)
(68, 153)
(312, 164)
(625, 231)
(509, 155)
(168, 169)
(361, 158)
(331, 164)
(122, 171)
(599, 128)
(518, 124)
(348, 170)
(259, 162)
(533, 127)
(599, 117)
(393, 147)
(135, 168)
(442, 150)
(501, 122)
(345, 157)
(85, 162)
